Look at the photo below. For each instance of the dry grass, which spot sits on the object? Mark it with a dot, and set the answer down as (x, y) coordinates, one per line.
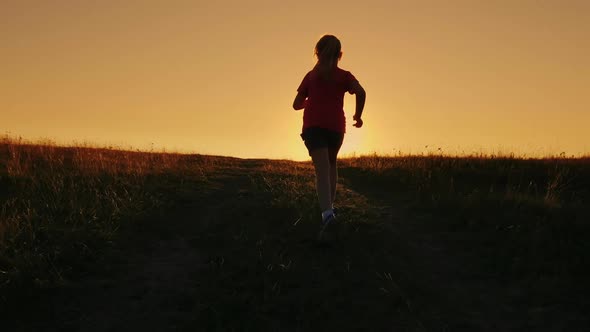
(549, 181)
(55, 201)
(535, 210)
(60, 208)
(59, 204)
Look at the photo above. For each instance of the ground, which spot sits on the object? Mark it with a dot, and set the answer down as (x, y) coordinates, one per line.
(237, 251)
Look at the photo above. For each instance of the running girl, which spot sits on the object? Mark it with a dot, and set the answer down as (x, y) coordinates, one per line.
(321, 94)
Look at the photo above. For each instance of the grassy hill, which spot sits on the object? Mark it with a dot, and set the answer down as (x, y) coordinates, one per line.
(96, 239)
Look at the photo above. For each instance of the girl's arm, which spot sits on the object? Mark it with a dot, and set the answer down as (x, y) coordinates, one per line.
(300, 101)
(361, 96)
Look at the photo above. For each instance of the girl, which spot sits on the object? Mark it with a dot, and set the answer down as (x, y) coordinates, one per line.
(321, 94)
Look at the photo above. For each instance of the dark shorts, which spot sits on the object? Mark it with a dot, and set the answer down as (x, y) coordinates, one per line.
(316, 138)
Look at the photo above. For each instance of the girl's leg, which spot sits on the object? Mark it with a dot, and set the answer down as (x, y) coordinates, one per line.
(332, 156)
(321, 162)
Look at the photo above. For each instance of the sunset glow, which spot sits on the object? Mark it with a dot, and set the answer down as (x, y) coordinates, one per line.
(220, 77)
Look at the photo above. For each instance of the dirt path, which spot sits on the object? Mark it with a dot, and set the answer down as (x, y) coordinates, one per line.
(225, 259)
(148, 284)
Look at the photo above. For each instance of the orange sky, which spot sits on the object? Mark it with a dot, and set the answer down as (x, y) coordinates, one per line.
(219, 77)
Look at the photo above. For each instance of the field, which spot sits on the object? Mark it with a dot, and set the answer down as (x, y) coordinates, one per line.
(98, 239)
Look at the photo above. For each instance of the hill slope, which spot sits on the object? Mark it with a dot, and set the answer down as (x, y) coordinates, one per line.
(211, 243)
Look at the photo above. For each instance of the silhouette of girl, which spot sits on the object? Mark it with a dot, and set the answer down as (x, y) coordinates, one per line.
(321, 94)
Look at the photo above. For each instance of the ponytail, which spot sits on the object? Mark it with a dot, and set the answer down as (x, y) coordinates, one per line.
(328, 52)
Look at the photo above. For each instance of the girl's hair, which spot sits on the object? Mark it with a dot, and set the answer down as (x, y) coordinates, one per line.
(328, 50)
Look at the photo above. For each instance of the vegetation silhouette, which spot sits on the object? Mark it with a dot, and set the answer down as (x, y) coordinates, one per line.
(99, 239)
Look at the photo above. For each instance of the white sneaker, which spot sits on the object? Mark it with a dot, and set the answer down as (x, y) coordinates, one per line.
(328, 220)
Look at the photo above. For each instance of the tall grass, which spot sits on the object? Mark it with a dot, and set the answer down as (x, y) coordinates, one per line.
(536, 211)
(59, 205)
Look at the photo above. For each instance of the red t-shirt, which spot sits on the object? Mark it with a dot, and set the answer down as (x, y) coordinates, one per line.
(325, 99)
